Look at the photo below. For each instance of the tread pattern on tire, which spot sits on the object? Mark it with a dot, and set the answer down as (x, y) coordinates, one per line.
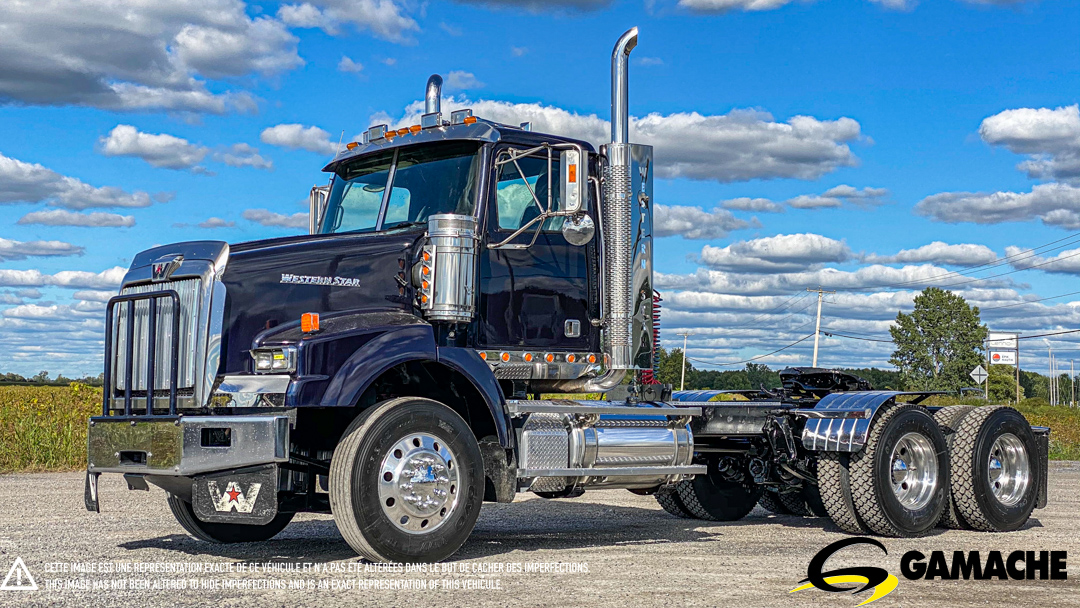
(949, 418)
(690, 501)
(835, 487)
(963, 469)
(187, 521)
(863, 481)
(185, 516)
(770, 501)
(341, 504)
(794, 503)
(670, 502)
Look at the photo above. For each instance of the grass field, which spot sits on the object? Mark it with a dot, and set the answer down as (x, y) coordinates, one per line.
(43, 428)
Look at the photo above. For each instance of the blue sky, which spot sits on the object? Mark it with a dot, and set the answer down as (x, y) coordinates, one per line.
(906, 104)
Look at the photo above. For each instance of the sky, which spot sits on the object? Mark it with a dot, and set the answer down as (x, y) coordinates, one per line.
(869, 147)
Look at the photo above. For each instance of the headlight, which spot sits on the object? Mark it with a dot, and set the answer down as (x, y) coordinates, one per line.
(275, 359)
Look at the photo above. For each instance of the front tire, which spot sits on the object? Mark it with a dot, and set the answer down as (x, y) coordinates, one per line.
(406, 482)
(224, 533)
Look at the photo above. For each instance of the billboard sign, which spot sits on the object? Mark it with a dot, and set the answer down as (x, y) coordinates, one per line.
(998, 341)
(1003, 357)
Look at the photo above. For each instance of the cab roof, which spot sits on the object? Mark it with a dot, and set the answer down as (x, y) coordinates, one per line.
(482, 130)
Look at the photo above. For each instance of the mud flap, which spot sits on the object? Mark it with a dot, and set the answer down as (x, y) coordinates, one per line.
(1042, 439)
(90, 495)
(240, 496)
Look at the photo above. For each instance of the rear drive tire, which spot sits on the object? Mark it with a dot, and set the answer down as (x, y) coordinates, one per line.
(224, 533)
(794, 503)
(995, 474)
(812, 494)
(948, 419)
(406, 482)
(834, 487)
(713, 498)
(770, 501)
(670, 501)
(900, 479)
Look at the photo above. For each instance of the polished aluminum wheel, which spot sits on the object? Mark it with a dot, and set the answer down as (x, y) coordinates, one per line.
(1009, 472)
(418, 483)
(914, 471)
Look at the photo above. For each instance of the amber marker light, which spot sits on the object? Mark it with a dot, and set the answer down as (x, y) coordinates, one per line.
(470, 120)
(414, 129)
(505, 356)
(351, 145)
(309, 322)
(483, 355)
(528, 357)
(571, 358)
(549, 357)
(592, 358)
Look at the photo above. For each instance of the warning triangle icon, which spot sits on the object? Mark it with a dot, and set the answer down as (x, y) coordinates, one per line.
(19, 578)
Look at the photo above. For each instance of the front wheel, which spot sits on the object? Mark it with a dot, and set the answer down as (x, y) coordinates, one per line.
(406, 482)
(224, 533)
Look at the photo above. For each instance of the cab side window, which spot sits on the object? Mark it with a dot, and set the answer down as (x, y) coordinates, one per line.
(516, 206)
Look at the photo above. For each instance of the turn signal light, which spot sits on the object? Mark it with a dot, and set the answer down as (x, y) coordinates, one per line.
(309, 322)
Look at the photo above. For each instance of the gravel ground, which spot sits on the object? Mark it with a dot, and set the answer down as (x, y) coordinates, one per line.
(611, 548)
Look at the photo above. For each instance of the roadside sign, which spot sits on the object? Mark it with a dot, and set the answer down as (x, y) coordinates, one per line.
(1007, 357)
(979, 374)
(999, 340)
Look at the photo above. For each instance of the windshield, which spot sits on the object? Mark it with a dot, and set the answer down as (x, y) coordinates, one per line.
(428, 180)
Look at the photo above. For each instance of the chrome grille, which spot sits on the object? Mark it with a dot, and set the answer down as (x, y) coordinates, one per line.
(192, 329)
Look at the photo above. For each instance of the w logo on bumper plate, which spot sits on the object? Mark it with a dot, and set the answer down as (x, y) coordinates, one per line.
(233, 498)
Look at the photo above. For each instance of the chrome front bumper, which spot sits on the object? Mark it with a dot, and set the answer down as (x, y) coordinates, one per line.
(185, 445)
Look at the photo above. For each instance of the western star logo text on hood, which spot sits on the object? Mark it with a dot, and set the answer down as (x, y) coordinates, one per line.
(303, 279)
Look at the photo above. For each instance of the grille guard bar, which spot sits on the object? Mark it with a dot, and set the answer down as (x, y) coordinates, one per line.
(129, 361)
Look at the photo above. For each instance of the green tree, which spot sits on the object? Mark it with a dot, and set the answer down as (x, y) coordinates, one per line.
(939, 343)
(1003, 384)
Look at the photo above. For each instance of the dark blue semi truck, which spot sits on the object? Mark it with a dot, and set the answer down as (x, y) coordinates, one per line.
(390, 366)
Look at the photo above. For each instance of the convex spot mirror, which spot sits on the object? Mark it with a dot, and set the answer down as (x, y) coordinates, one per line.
(578, 229)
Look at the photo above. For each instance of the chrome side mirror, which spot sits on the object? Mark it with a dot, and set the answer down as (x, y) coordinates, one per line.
(578, 229)
(316, 206)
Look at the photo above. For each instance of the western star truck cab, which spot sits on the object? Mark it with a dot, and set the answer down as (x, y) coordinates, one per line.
(390, 366)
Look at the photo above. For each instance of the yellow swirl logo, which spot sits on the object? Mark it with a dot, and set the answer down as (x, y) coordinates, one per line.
(868, 577)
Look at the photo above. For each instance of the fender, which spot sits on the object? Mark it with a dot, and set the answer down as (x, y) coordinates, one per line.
(469, 364)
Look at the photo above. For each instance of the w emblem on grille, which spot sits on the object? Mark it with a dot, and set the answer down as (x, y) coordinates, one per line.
(163, 267)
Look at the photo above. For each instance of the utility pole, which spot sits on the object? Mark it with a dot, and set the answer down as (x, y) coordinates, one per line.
(1050, 358)
(685, 335)
(1072, 382)
(817, 328)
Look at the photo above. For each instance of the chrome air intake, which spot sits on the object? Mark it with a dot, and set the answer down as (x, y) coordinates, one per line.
(446, 275)
(618, 199)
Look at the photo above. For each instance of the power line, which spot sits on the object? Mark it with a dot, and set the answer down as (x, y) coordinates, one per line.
(836, 335)
(804, 338)
(1073, 293)
(1057, 333)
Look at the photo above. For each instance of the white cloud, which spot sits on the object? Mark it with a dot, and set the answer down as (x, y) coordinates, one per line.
(453, 30)
(695, 222)
(383, 18)
(939, 253)
(1054, 204)
(740, 145)
(459, 80)
(91, 295)
(722, 6)
(74, 279)
(19, 250)
(349, 66)
(1050, 138)
(278, 220)
(22, 182)
(137, 56)
(537, 6)
(838, 195)
(243, 155)
(518, 51)
(1065, 262)
(61, 217)
(216, 222)
(159, 150)
(171, 152)
(760, 205)
(296, 136)
(780, 253)
(649, 61)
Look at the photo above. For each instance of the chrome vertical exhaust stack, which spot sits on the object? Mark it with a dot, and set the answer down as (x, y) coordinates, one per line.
(618, 203)
(433, 95)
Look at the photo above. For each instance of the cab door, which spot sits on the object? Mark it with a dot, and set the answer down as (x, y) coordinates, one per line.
(543, 296)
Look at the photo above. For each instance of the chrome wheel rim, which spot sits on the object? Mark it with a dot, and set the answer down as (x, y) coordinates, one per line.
(914, 471)
(418, 483)
(1009, 470)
